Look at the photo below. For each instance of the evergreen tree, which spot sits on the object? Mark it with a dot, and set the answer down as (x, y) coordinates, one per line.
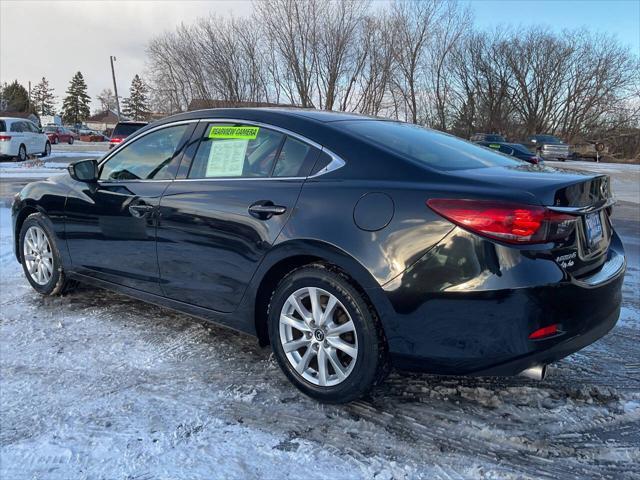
(75, 107)
(136, 106)
(15, 97)
(43, 98)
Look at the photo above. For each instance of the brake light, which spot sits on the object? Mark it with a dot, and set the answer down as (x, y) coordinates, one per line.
(507, 222)
(116, 140)
(5, 138)
(544, 332)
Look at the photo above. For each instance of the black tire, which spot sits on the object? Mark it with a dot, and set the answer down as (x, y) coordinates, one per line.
(22, 154)
(371, 363)
(56, 140)
(70, 140)
(58, 283)
(47, 150)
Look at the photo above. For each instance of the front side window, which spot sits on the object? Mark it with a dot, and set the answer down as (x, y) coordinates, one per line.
(236, 151)
(149, 157)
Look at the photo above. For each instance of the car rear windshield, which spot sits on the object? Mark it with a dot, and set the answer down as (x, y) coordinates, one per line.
(434, 149)
(495, 138)
(126, 129)
(547, 139)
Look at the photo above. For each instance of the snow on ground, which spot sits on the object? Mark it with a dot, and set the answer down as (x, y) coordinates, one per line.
(97, 385)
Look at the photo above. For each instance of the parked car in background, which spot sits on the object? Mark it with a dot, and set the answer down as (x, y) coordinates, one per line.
(515, 150)
(548, 147)
(122, 130)
(487, 137)
(58, 134)
(88, 131)
(590, 149)
(290, 225)
(20, 138)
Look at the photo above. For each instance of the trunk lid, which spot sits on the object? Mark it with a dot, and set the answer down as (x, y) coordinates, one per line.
(585, 195)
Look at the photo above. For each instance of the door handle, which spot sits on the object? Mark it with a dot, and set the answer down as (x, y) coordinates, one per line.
(140, 210)
(265, 209)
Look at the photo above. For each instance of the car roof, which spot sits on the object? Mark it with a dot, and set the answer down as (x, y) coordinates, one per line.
(131, 122)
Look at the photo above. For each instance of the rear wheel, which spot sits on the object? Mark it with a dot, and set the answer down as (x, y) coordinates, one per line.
(22, 153)
(325, 336)
(47, 150)
(70, 140)
(40, 256)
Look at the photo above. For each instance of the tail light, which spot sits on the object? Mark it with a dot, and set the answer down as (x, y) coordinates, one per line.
(507, 222)
(534, 159)
(5, 138)
(545, 332)
(116, 140)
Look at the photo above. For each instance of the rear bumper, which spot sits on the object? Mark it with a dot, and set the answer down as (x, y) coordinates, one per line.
(479, 331)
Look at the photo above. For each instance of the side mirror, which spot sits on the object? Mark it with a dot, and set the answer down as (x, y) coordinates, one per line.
(84, 170)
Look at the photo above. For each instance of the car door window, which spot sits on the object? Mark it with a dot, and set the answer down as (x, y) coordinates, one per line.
(236, 151)
(507, 150)
(16, 127)
(295, 160)
(152, 156)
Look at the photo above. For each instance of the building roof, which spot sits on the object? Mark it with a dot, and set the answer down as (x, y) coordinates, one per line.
(205, 103)
(106, 116)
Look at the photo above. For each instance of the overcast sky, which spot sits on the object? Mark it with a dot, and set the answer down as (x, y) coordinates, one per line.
(57, 38)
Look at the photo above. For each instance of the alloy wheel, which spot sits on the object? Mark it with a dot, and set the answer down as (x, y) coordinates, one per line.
(318, 336)
(37, 255)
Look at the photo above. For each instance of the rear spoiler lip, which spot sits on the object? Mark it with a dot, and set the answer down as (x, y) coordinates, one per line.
(587, 209)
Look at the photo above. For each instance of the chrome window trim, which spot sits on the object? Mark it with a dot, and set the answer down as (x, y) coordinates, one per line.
(335, 163)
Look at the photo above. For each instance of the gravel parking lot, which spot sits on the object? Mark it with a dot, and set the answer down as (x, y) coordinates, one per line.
(96, 385)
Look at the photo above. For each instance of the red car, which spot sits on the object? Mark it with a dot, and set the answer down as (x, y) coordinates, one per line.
(123, 130)
(59, 134)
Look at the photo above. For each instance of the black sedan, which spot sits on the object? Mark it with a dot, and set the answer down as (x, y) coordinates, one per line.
(350, 244)
(513, 149)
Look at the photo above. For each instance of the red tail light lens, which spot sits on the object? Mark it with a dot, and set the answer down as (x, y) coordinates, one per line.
(5, 138)
(507, 222)
(116, 140)
(544, 332)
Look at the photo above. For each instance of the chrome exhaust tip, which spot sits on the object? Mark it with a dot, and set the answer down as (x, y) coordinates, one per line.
(537, 372)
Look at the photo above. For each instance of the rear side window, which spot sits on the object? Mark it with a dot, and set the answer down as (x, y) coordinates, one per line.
(17, 127)
(295, 159)
(236, 151)
(3, 126)
(428, 147)
(507, 150)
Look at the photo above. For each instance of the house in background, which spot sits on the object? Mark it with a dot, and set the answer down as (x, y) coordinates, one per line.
(104, 121)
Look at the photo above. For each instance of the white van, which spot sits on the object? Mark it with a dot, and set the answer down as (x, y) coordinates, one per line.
(20, 138)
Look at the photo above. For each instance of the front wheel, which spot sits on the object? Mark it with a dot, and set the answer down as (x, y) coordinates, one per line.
(70, 140)
(40, 256)
(326, 338)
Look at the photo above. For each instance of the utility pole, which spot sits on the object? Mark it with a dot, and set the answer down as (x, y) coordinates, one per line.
(115, 87)
(29, 99)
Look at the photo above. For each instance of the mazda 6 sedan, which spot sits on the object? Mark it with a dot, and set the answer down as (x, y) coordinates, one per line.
(349, 244)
